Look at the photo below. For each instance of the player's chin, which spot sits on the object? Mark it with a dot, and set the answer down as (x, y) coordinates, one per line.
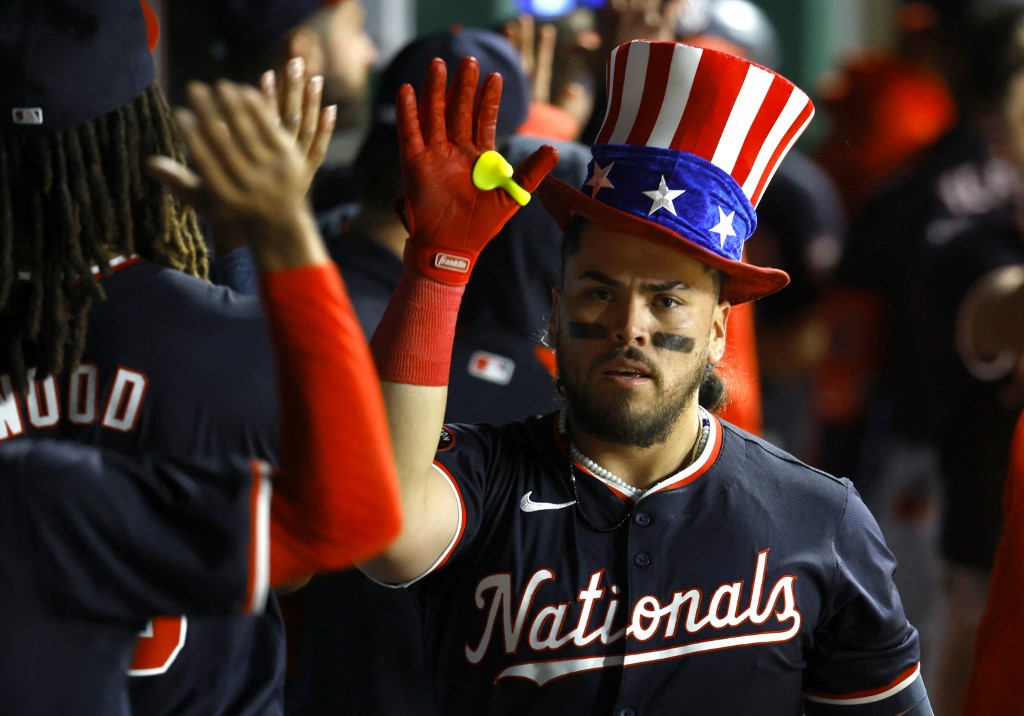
(624, 404)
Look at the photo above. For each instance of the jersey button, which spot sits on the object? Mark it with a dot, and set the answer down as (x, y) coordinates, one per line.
(642, 560)
(642, 518)
(627, 712)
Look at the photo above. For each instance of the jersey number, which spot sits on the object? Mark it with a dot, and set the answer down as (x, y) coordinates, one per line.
(158, 645)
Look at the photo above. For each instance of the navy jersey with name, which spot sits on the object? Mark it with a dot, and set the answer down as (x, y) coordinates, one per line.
(183, 367)
(92, 544)
(748, 583)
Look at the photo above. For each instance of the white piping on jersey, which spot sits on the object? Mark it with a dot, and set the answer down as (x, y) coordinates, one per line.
(451, 545)
(261, 538)
(95, 270)
(637, 493)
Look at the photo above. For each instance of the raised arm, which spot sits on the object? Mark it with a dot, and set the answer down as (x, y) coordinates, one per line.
(450, 221)
(335, 495)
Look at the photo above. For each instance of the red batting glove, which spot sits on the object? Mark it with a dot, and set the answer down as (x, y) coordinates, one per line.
(448, 218)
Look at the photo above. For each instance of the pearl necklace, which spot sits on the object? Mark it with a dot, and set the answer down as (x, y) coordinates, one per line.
(604, 473)
(704, 424)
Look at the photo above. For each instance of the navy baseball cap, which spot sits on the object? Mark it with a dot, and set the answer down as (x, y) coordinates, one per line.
(67, 62)
(495, 53)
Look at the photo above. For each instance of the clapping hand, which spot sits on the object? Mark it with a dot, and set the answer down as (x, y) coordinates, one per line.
(248, 176)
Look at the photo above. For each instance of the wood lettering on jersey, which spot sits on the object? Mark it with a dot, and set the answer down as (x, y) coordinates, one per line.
(83, 401)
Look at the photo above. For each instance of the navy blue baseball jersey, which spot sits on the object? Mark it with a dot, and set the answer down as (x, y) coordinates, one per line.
(176, 365)
(748, 583)
(92, 544)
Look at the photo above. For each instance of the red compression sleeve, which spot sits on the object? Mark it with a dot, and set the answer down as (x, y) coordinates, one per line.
(413, 342)
(335, 498)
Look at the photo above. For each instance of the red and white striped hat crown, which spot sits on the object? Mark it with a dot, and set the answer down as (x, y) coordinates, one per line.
(690, 140)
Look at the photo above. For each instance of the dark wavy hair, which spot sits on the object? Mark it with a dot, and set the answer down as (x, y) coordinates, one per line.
(68, 202)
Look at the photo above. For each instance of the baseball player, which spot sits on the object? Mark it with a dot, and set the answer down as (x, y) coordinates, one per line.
(630, 553)
(95, 544)
(164, 361)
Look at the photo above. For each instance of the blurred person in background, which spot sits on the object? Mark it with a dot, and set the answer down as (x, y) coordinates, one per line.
(240, 40)
(891, 394)
(559, 47)
(98, 545)
(103, 290)
(972, 360)
(990, 341)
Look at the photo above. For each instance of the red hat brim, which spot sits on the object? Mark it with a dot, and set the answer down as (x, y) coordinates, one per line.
(745, 282)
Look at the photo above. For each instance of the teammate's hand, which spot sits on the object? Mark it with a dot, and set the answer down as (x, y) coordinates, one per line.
(448, 218)
(249, 173)
(655, 20)
(536, 47)
(298, 98)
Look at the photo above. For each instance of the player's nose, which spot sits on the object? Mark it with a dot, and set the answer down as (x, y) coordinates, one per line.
(630, 322)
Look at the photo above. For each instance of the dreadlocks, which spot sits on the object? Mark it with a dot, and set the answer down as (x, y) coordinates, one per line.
(68, 202)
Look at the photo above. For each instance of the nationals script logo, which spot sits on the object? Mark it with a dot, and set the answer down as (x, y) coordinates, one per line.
(545, 629)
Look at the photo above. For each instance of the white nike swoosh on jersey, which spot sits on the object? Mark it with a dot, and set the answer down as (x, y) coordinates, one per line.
(528, 505)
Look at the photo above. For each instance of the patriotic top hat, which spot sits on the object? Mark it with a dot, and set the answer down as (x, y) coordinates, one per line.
(690, 140)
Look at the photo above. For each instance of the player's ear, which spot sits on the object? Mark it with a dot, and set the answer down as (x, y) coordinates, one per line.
(716, 332)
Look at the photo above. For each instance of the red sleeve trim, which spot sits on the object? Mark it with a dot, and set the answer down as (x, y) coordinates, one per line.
(869, 696)
(258, 583)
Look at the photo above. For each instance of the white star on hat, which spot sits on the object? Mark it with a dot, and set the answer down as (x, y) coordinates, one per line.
(663, 197)
(600, 179)
(724, 227)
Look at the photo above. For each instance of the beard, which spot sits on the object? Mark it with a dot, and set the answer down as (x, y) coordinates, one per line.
(623, 418)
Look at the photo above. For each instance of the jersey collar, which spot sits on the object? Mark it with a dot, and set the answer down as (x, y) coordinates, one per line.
(684, 477)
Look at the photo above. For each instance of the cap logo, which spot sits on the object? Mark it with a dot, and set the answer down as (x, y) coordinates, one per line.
(451, 262)
(27, 115)
(491, 367)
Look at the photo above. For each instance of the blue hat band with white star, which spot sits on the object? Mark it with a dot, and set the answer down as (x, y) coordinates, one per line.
(682, 192)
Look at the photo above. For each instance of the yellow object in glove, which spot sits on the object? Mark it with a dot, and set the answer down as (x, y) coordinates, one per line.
(492, 171)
